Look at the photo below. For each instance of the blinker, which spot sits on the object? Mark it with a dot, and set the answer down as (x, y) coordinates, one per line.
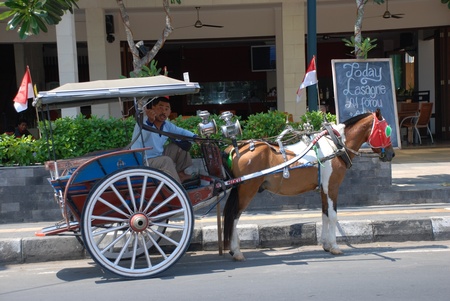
(388, 131)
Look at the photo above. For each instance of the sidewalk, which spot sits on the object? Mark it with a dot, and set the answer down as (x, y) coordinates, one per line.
(413, 168)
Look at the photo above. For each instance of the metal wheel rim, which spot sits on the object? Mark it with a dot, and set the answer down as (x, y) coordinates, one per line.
(135, 252)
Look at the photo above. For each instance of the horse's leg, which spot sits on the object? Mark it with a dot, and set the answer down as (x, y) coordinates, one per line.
(329, 222)
(246, 192)
(235, 249)
(325, 224)
(231, 213)
(330, 189)
(237, 202)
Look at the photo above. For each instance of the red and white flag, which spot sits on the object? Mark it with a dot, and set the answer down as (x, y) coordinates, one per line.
(25, 92)
(309, 79)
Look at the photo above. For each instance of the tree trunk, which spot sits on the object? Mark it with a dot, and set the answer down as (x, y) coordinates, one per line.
(137, 61)
(358, 26)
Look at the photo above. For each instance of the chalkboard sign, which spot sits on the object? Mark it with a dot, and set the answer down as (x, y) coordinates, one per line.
(362, 86)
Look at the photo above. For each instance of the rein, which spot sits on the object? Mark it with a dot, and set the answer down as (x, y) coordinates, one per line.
(171, 135)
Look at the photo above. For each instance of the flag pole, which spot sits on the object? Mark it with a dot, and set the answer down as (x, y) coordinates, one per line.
(317, 84)
(37, 112)
(34, 97)
(318, 95)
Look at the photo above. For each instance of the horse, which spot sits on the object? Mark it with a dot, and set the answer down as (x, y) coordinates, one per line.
(327, 173)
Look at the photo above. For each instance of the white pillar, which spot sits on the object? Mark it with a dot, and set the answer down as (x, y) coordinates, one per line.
(293, 56)
(97, 48)
(96, 40)
(67, 56)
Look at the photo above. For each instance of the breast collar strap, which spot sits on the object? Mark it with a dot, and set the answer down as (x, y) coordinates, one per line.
(335, 136)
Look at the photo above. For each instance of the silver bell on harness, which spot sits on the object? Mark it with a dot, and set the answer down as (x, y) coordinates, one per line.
(207, 127)
(231, 129)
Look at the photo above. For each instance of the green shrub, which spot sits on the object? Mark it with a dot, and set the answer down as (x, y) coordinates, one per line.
(19, 151)
(316, 118)
(264, 125)
(74, 137)
(260, 125)
(71, 137)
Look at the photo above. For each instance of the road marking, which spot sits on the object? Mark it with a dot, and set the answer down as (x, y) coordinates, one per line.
(340, 214)
(288, 216)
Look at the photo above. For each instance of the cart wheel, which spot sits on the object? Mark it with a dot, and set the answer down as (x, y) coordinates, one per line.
(137, 222)
(121, 230)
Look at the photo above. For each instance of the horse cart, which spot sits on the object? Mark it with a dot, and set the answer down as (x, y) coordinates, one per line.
(136, 221)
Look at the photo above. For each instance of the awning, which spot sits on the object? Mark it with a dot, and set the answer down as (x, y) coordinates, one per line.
(104, 91)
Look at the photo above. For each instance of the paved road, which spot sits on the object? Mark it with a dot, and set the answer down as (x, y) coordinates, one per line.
(376, 271)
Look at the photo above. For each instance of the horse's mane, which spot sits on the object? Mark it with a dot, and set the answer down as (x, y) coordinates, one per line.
(355, 119)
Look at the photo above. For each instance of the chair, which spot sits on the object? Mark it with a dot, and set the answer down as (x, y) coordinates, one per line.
(420, 121)
(407, 109)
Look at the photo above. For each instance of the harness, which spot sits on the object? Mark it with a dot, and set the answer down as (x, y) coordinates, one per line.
(378, 138)
(341, 148)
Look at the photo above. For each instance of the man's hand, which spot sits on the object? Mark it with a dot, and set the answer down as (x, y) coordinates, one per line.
(151, 115)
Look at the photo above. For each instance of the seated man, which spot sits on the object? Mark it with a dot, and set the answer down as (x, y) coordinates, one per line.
(169, 158)
(22, 129)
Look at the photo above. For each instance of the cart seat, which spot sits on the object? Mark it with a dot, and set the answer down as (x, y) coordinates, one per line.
(105, 162)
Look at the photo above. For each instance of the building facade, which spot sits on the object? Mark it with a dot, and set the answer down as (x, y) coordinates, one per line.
(79, 49)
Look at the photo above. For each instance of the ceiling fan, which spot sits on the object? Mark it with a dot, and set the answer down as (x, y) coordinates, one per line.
(200, 24)
(387, 14)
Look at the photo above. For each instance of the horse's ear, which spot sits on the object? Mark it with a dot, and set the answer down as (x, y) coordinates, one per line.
(378, 114)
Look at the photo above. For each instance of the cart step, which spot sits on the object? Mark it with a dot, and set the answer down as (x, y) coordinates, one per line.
(58, 229)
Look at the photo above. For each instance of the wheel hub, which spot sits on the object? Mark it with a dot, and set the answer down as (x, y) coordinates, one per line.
(139, 222)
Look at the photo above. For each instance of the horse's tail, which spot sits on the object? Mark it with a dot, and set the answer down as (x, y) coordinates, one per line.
(230, 213)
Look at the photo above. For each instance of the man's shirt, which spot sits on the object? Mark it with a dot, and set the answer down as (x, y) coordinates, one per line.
(155, 140)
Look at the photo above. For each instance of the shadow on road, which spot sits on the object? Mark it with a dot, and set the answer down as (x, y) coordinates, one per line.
(200, 263)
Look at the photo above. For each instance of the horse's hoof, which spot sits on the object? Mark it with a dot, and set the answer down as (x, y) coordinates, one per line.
(326, 248)
(336, 251)
(238, 257)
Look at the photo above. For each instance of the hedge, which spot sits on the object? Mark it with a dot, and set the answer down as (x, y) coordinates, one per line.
(74, 137)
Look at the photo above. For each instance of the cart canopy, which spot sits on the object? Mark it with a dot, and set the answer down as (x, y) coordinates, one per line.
(104, 91)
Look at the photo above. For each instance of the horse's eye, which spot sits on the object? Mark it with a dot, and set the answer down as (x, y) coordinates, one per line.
(388, 131)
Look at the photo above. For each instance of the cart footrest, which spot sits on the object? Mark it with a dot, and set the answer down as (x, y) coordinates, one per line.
(58, 229)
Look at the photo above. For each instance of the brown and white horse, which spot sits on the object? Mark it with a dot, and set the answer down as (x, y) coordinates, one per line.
(257, 156)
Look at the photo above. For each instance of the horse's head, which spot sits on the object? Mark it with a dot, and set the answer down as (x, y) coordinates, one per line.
(380, 137)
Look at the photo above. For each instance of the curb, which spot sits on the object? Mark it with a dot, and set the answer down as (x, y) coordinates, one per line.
(280, 234)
